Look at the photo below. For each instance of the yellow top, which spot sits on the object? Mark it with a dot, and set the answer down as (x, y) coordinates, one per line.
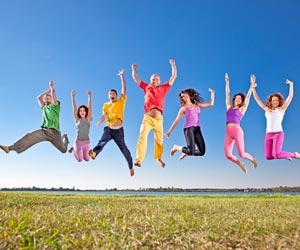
(114, 110)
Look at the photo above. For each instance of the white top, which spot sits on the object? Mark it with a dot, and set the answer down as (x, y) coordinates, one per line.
(274, 120)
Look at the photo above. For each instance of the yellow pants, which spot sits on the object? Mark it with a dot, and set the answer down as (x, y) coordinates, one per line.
(148, 123)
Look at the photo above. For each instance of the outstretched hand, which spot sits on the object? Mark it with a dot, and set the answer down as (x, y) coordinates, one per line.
(73, 92)
(226, 77)
(89, 92)
(167, 134)
(51, 84)
(121, 72)
(288, 81)
(134, 66)
(211, 90)
(252, 79)
(172, 61)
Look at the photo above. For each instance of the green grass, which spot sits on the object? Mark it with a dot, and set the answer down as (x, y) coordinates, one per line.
(49, 221)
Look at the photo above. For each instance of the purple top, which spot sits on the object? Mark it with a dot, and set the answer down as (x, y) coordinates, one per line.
(234, 116)
(191, 117)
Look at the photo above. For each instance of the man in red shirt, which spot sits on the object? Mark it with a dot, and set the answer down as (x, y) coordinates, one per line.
(154, 98)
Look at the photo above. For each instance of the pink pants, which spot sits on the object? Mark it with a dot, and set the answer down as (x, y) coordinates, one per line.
(81, 150)
(273, 146)
(235, 134)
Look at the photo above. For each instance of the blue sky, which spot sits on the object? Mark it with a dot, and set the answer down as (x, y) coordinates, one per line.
(81, 45)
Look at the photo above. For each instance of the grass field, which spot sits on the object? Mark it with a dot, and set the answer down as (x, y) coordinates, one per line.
(49, 221)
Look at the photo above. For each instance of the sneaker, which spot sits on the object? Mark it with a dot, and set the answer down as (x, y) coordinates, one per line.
(131, 172)
(92, 154)
(65, 139)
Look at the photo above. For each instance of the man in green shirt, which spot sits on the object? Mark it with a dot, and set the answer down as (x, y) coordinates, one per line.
(49, 130)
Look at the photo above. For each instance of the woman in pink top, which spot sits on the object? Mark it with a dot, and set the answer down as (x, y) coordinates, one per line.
(191, 102)
(274, 111)
(234, 133)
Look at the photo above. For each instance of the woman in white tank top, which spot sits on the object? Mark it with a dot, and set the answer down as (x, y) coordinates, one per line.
(274, 112)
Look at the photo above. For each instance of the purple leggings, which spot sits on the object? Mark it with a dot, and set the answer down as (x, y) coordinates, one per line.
(235, 134)
(81, 150)
(273, 146)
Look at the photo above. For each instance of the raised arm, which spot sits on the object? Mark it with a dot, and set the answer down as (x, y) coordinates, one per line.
(123, 82)
(176, 121)
(290, 96)
(227, 91)
(90, 110)
(73, 94)
(256, 97)
(41, 97)
(52, 92)
(212, 100)
(174, 72)
(249, 93)
(134, 74)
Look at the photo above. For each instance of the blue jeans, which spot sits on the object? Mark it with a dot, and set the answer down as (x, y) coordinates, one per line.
(118, 136)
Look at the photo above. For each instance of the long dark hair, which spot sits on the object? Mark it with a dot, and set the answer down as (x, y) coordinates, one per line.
(195, 97)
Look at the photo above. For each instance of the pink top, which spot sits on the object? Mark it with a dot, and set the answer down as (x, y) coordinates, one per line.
(192, 117)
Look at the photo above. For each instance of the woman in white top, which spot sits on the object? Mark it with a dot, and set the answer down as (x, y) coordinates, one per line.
(274, 111)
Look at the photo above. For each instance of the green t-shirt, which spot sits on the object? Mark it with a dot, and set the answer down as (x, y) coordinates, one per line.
(51, 116)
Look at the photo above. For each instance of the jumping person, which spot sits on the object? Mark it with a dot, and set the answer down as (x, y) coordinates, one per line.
(234, 133)
(275, 108)
(82, 117)
(49, 130)
(154, 98)
(113, 113)
(191, 105)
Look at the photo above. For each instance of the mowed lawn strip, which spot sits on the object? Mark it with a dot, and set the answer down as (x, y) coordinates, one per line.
(60, 221)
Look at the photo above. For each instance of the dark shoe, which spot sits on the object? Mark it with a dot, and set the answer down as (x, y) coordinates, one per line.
(71, 150)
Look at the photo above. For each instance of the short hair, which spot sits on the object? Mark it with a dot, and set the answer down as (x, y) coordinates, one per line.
(242, 95)
(85, 108)
(195, 97)
(280, 99)
(113, 90)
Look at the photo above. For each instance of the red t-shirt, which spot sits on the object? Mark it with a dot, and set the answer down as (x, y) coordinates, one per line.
(154, 96)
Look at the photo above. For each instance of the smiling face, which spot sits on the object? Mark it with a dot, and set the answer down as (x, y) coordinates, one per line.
(275, 102)
(82, 112)
(184, 97)
(155, 80)
(237, 100)
(47, 99)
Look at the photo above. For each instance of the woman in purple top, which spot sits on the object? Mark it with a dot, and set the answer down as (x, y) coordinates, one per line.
(191, 102)
(234, 133)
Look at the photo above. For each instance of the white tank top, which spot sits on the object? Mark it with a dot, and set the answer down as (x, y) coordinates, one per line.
(274, 120)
